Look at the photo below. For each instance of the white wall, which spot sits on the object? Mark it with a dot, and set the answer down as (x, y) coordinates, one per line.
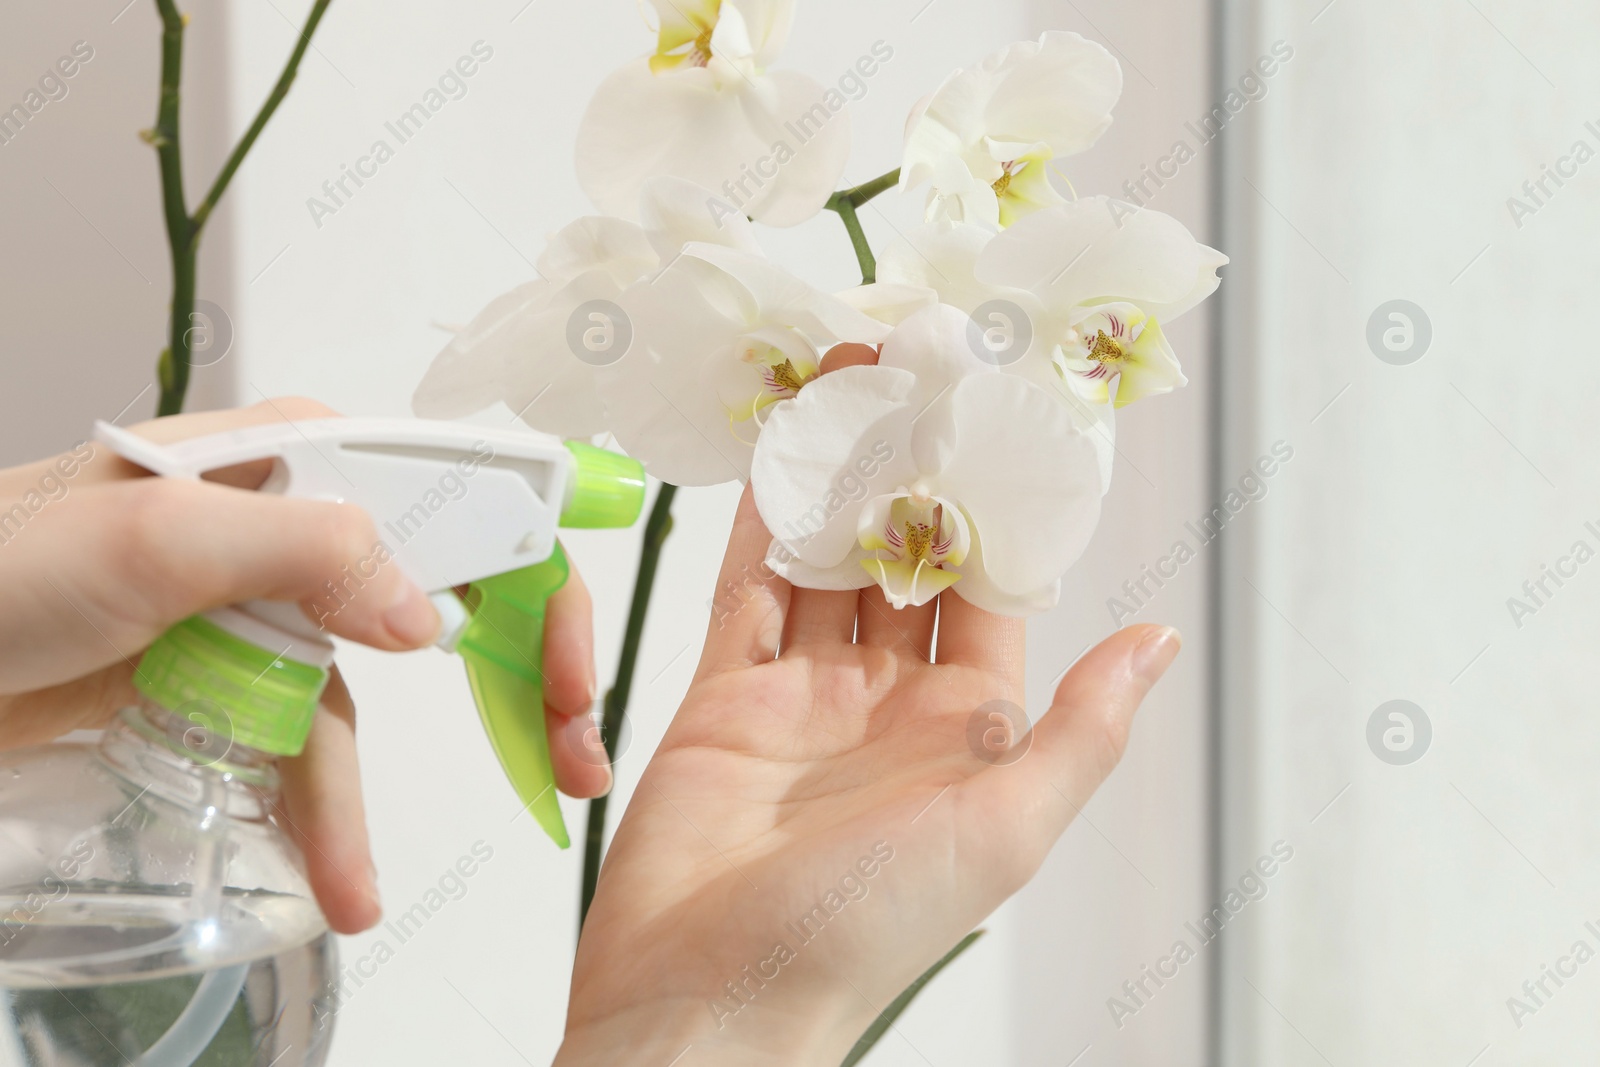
(1421, 898)
(345, 312)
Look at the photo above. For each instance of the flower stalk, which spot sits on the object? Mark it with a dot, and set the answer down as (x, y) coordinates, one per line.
(844, 204)
(656, 529)
(183, 227)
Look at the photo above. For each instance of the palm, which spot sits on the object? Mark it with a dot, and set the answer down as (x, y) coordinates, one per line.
(784, 781)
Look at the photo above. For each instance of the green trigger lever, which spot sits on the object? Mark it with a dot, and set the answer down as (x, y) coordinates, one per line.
(503, 647)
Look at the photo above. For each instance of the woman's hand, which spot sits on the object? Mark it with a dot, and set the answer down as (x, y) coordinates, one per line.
(97, 559)
(828, 814)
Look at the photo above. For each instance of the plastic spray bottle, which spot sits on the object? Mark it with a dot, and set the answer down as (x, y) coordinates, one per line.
(152, 910)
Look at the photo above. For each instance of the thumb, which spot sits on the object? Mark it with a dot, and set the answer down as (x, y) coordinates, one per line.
(1078, 742)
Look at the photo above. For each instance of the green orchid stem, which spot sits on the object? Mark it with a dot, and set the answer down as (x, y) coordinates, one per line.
(845, 202)
(183, 228)
(881, 1024)
(858, 240)
(860, 194)
(656, 529)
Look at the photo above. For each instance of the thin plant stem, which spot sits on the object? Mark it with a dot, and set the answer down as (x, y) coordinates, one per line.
(845, 202)
(881, 1024)
(183, 228)
(860, 194)
(656, 529)
(858, 241)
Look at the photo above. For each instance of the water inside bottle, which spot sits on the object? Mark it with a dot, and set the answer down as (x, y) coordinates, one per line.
(124, 974)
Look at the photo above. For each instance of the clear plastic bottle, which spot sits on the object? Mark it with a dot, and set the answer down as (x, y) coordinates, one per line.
(152, 910)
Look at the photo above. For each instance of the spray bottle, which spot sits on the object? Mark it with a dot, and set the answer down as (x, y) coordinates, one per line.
(152, 910)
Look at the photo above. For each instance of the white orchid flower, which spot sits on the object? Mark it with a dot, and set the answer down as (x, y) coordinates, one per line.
(988, 490)
(723, 335)
(1105, 277)
(982, 327)
(520, 349)
(705, 108)
(984, 139)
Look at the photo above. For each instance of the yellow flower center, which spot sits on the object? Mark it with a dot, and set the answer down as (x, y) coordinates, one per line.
(784, 377)
(684, 36)
(919, 539)
(1105, 349)
(700, 53)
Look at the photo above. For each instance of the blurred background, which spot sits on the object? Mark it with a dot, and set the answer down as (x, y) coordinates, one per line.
(1383, 456)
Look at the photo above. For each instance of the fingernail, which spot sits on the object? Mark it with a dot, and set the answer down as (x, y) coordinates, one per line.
(1153, 655)
(582, 735)
(412, 618)
(372, 888)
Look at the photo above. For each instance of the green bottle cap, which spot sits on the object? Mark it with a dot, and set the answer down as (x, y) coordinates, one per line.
(258, 698)
(607, 489)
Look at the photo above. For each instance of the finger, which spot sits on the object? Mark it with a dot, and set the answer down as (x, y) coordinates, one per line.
(819, 617)
(149, 552)
(86, 703)
(849, 354)
(577, 754)
(748, 609)
(827, 616)
(323, 811)
(972, 637)
(569, 684)
(907, 631)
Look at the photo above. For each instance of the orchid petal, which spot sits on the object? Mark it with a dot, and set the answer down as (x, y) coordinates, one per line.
(1058, 91)
(468, 374)
(1097, 250)
(979, 590)
(597, 242)
(842, 441)
(941, 256)
(888, 302)
(1025, 475)
(675, 212)
(776, 295)
(663, 396)
(722, 135)
(907, 582)
(1151, 367)
(764, 26)
(516, 351)
(846, 574)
